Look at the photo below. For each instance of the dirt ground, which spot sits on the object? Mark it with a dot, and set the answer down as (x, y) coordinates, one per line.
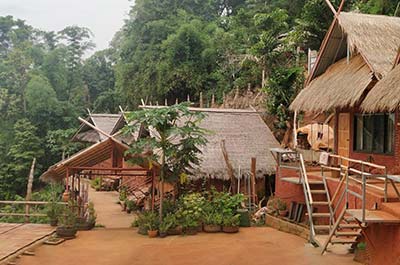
(261, 245)
(108, 212)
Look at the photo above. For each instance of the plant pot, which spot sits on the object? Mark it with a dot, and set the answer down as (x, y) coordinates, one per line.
(53, 222)
(200, 228)
(212, 228)
(191, 231)
(230, 229)
(66, 232)
(175, 231)
(128, 210)
(163, 234)
(283, 213)
(152, 233)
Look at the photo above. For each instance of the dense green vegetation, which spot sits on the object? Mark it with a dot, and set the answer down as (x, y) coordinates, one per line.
(167, 49)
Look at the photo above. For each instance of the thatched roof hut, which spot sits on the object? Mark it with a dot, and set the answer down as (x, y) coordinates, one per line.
(105, 122)
(357, 51)
(385, 96)
(245, 135)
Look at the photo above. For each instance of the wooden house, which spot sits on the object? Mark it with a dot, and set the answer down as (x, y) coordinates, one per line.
(357, 52)
(242, 134)
(353, 195)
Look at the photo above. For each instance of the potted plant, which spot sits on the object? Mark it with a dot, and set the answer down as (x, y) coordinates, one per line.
(123, 195)
(152, 224)
(282, 208)
(53, 212)
(173, 228)
(230, 223)
(130, 205)
(212, 222)
(89, 221)
(67, 222)
(360, 254)
(96, 184)
(140, 222)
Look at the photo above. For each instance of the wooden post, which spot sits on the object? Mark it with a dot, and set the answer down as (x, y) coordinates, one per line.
(212, 100)
(253, 179)
(201, 99)
(152, 189)
(188, 98)
(176, 101)
(29, 189)
(165, 102)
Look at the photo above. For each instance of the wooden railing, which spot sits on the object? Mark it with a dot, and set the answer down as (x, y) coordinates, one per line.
(27, 212)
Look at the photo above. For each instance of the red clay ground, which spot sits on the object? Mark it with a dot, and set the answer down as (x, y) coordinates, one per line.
(260, 245)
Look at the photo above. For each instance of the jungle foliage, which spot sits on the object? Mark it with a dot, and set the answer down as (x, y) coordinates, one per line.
(167, 49)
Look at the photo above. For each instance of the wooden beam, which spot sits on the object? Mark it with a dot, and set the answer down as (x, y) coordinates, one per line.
(29, 189)
(253, 179)
(331, 7)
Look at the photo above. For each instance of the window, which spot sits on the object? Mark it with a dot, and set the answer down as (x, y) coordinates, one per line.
(374, 133)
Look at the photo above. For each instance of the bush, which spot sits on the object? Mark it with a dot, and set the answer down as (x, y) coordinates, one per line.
(96, 183)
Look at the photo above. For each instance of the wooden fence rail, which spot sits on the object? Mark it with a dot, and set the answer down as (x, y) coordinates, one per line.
(27, 213)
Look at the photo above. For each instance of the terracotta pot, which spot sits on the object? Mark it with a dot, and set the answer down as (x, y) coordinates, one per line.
(212, 228)
(191, 231)
(283, 213)
(66, 232)
(152, 233)
(230, 229)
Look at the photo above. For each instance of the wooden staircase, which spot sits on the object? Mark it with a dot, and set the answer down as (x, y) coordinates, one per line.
(346, 230)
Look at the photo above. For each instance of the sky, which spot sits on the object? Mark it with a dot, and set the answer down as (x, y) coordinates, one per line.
(102, 17)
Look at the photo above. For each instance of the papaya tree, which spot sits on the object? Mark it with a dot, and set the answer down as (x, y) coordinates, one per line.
(174, 141)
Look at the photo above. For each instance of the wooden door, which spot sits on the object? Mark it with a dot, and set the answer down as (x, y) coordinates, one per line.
(344, 134)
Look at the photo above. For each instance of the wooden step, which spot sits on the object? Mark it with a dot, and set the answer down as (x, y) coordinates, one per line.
(320, 203)
(350, 233)
(318, 192)
(343, 240)
(321, 227)
(349, 226)
(320, 215)
(315, 182)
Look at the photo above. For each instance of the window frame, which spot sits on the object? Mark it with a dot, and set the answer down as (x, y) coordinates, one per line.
(385, 140)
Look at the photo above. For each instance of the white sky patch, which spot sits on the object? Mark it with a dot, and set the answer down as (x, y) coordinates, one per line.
(103, 17)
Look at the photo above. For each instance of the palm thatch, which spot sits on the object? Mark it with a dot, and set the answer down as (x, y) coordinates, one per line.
(342, 85)
(385, 96)
(244, 135)
(376, 37)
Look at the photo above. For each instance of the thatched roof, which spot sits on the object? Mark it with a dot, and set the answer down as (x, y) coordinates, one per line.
(105, 122)
(376, 37)
(373, 42)
(245, 134)
(341, 85)
(385, 96)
